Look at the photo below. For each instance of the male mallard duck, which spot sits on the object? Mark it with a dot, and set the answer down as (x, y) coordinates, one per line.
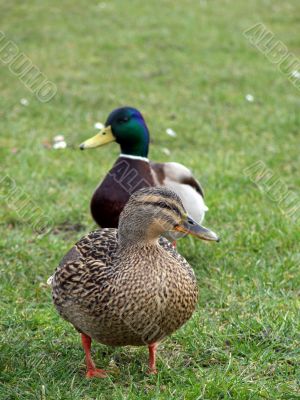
(126, 286)
(133, 170)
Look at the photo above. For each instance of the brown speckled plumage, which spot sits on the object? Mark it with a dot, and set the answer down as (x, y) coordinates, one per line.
(124, 287)
(124, 298)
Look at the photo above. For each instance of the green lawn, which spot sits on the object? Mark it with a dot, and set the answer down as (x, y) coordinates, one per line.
(187, 66)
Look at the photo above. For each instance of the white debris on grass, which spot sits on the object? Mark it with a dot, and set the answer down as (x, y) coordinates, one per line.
(50, 280)
(59, 142)
(166, 151)
(24, 102)
(249, 97)
(59, 145)
(98, 125)
(170, 132)
(296, 74)
(58, 138)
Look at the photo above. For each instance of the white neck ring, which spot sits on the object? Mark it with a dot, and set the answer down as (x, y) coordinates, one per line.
(134, 157)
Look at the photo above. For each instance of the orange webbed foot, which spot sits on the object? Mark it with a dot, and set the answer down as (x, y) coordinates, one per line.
(96, 373)
(152, 371)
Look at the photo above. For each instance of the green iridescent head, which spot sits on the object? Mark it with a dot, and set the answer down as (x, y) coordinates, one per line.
(127, 127)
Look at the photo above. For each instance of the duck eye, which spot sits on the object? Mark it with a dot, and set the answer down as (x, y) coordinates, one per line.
(123, 120)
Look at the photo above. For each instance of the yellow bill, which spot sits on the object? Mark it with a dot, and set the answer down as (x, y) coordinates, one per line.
(103, 137)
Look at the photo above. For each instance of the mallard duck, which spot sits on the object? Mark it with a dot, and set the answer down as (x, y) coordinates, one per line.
(133, 170)
(128, 286)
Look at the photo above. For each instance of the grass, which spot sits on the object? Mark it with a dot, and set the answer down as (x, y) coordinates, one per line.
(187, 66)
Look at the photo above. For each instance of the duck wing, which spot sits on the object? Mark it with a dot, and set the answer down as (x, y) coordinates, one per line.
(181, 180)
(92, 252)
(173, 171)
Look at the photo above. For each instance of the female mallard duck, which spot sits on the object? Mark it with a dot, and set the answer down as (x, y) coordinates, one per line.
(133, 170)
(126, 286)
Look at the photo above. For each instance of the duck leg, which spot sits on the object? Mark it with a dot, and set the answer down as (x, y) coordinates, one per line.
(92, 371)
(152, 358)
